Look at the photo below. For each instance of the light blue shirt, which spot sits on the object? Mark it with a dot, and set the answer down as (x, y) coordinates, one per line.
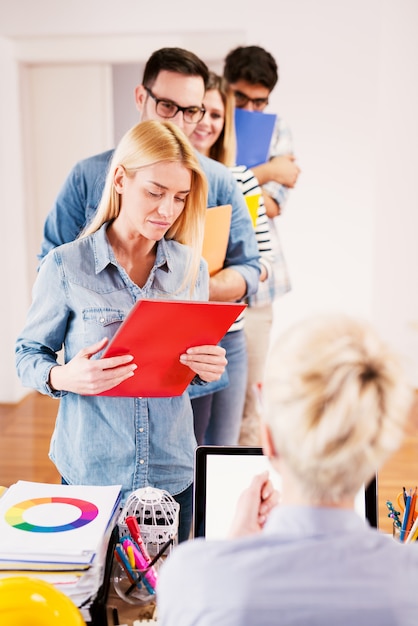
(309, 567)
(81, 295)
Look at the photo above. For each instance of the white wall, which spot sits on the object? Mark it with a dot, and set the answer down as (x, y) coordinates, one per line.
(348, 89)
(14, 279)
(396, 255)
(55, 142)
(328, 92)
(126, 77)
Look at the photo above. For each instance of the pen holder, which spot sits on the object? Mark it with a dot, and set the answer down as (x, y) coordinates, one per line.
(135, 573)
(398, 535)
(157, 514)
(129, 591)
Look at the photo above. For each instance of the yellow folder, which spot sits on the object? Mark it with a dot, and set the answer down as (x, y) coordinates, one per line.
(215, 240)
(252, 205)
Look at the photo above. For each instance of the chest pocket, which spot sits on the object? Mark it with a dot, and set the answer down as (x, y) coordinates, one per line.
(102, 322)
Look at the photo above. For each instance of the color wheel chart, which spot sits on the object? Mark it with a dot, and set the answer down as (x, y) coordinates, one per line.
(15, 515)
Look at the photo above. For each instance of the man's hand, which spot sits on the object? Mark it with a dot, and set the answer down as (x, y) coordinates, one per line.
(227, 285)
(284, 170)
(271, 206)
(281, 169)
(254, 506)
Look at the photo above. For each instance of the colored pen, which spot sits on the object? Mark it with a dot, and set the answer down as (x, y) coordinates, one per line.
(154, 560)
(142, 564)
(130, 553)
(413, 533)
(124, 562)
(133, 526)
(405, 518)
(413, 505)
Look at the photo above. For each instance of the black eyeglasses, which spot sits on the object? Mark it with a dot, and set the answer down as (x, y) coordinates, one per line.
(169, 109)
(241, 101)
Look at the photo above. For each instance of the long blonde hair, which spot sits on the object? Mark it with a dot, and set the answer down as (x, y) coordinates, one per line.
(224, 148)
(151, 142)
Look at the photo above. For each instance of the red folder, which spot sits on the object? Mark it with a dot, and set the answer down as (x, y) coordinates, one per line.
(157, 332)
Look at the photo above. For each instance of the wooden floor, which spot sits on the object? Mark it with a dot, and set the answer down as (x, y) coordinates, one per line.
(26, 428)
(25, 432)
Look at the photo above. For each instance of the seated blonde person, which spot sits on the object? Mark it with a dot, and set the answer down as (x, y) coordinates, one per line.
(336, 404)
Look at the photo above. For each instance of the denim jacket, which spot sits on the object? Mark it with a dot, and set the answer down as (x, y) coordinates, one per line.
(82, 294)
(79, 197)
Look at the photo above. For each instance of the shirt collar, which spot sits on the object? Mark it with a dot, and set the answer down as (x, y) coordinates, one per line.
(103, 252)
(308, 521)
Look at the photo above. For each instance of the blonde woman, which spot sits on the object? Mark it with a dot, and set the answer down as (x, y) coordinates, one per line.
(336, 402)
(144, 241)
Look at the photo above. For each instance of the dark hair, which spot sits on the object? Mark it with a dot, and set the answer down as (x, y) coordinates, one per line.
(174, 60)
(253, 64)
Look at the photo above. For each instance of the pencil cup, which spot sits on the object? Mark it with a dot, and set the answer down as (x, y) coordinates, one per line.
(129, 591)
(399, 535)
(147, 528)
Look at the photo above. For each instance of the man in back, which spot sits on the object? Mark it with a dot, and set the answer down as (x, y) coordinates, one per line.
(251, 73)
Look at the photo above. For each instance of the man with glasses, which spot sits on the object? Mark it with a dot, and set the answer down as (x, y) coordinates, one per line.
(168, 109)
(173, 88)
(251, 73)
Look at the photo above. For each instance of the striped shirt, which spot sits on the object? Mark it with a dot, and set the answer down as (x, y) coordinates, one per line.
(248, 184)
(277, 282)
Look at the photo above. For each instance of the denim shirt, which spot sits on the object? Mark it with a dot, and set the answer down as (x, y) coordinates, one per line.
(79, 197)
(81, 295)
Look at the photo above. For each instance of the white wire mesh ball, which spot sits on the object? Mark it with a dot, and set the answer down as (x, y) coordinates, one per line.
(157, 514)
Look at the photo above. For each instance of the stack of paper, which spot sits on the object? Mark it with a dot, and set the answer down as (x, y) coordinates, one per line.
(58, 533)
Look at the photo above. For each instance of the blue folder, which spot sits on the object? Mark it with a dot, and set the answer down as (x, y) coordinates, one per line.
(253, 131)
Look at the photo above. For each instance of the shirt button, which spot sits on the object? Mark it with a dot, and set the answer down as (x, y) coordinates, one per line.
(142, 461)
(141, 430)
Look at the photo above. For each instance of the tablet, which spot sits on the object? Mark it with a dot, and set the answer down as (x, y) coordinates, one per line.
(223, 472)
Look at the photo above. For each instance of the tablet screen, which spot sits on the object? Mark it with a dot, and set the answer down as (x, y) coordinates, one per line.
(223, 472)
